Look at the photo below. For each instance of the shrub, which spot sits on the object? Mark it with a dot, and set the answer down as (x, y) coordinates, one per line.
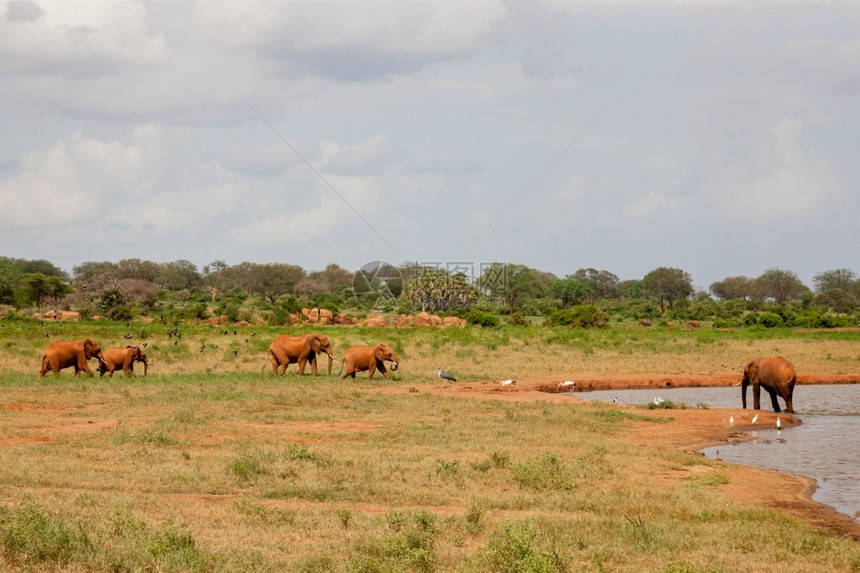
(481, 318)
(580, 316)
(770, 320)
(518, 319)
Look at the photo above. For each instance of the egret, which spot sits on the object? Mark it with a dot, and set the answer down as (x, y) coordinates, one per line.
(569, 384)
(508, 382)
(615, 400)
(755, 419)
(778, 424)
(445, 377)
(731, 420)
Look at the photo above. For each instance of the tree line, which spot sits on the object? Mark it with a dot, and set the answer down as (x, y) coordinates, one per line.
(131, 287)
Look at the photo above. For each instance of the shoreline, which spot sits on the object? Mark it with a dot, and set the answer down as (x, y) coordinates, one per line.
(689, 430)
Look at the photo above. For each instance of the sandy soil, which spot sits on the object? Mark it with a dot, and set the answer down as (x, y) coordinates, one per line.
(691, 429)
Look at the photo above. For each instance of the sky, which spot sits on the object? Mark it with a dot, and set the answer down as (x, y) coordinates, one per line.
(717, 137)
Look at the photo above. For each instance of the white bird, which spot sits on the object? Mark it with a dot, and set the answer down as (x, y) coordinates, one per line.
(615, 400)
(731, 420)
(566, 384)
(508, 382)
(755, 419)
(445, 377)
(778, 423)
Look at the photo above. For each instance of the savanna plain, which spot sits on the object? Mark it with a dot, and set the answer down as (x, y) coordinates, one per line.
(212, 463)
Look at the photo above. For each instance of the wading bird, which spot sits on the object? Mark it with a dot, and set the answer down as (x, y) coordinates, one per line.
(508, 382)
(778, 424)
(445, 377)
(755, 419)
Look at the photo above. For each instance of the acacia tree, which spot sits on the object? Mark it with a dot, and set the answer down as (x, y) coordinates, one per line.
(778, 284)
(667, 285)
(570, 291)
(732, 288)
(178, 275)
(511, 283)
(838, 278)
(274, 279)
(603, 284)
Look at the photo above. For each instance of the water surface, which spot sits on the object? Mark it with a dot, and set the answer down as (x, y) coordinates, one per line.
(824, 447)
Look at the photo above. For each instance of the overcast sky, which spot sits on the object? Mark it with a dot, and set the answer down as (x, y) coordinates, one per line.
(722, 138)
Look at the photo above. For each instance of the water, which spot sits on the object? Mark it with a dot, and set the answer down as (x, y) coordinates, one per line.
(824, 447)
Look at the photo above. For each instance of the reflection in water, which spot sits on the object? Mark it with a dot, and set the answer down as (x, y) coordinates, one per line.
(823, 447)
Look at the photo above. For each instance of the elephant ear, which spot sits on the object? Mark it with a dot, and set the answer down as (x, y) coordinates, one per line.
(379, 352)
(89, 347)
(751, 370)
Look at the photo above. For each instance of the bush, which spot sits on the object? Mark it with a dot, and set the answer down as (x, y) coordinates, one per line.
(770, 320)
(518, 319)
(580, 316)
(481, 318)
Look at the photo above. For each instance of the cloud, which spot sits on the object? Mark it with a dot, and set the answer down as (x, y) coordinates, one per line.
(351, 40)
(783, 180)
(76, 39)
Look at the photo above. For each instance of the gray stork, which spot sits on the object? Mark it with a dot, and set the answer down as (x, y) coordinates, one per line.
(445, 377)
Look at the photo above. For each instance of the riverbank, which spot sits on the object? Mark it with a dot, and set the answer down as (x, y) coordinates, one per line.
(688, 429)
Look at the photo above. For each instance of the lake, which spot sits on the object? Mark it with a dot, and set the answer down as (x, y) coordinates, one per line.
(824, 447)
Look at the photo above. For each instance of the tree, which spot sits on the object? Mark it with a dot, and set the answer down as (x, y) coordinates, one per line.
(732, 288)
(10, 278)
(511, 283)
(603, 284)
(437, 289)
(138, 269)
(36, 288)
(838, 278)
(272, 280)
(570, 291)
(837, 298)
(178, 275)
(778, 284)
(667, 285)
(38, 266)
(336, 277)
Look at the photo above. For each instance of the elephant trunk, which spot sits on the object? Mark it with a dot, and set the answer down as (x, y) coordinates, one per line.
(394, 366)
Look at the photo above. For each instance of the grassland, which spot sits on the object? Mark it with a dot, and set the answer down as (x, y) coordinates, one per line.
(209, 464)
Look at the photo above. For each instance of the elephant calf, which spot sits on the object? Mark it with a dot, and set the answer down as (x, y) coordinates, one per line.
(124, 358)
(361, 358)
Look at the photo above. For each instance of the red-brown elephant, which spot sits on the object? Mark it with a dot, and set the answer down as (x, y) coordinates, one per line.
(113, 358)
(65, 353)
(286, 350)
(361, 358)
(776, 375)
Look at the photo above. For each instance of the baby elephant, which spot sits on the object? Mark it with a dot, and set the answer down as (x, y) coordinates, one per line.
(361, 358)
(113, 358)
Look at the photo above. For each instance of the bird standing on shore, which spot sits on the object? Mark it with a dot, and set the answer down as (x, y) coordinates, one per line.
(778, 424)
(755, 419)
(445, 377)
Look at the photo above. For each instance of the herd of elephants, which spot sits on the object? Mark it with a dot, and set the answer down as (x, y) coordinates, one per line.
(775, 374)
(284, 350)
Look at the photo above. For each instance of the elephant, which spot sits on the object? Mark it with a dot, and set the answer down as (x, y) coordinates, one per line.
(124, 358)
(286, 350)
(65, 353)
(776, 375)
(644, 322)
(361, 358)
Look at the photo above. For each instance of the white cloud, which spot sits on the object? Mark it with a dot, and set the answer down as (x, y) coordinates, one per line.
(82, 39)
(783, 180)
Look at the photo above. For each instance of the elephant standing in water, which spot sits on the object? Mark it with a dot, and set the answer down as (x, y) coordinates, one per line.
(776, 375)
(361, 358)
(286, 350)
(65, 353)
(124, 358)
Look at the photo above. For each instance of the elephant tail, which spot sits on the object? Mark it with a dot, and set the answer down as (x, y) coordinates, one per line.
(268, 355)
(44, 368)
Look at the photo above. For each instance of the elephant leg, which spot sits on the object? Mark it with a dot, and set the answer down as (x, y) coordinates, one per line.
(756, 392)
(774, 400)
(383, 371)
(302, 363)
